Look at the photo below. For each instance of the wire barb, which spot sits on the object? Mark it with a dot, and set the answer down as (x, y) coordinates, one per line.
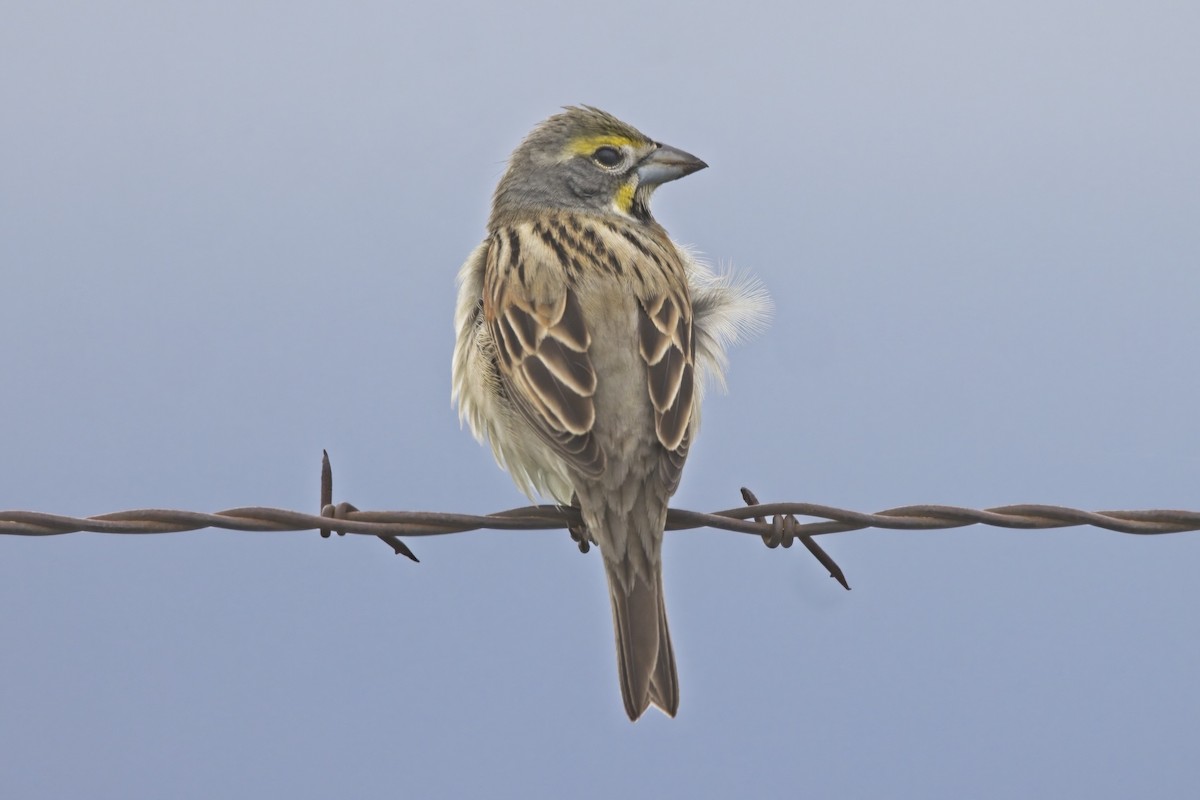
(341, 510)
(784, 529)
(326, 491)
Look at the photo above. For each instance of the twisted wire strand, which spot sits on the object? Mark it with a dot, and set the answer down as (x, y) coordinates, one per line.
(775, 523)
(548, 517)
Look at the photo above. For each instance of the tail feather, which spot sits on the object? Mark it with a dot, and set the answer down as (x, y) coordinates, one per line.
(645, 658)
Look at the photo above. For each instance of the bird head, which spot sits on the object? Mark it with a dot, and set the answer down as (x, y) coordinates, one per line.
(585, 159)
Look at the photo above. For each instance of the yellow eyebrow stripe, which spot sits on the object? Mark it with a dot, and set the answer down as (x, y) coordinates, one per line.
(586, 145)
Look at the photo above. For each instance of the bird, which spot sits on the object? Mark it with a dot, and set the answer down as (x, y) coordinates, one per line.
(584, 339)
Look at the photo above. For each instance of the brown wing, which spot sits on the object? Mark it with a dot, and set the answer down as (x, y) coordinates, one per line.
(542, 346)
(665, 336)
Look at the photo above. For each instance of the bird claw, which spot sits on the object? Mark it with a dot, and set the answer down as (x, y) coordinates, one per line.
(579, 535)
(579, 532)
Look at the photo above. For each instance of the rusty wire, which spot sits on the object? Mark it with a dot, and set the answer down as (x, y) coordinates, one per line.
(775, 523)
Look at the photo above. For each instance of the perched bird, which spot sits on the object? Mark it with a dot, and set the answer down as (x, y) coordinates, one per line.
(584, 337)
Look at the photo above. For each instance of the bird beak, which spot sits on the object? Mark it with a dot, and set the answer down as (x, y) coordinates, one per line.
(667, 164)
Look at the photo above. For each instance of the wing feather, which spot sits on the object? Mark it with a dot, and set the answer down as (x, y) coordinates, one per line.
(665, 343)
(542, 342)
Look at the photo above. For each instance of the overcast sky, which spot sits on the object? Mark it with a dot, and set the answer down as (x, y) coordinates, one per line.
(228, 239)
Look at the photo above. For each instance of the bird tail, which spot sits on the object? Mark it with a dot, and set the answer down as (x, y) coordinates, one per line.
(645, 659)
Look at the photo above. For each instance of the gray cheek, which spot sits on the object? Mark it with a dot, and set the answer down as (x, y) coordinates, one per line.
(579, 188)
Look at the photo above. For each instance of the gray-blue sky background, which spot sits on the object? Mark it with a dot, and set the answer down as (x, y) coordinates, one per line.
(228, 239)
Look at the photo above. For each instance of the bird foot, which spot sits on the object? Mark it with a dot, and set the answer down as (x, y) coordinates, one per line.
(579, 533)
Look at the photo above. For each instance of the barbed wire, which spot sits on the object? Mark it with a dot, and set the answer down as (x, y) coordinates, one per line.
(781, 529)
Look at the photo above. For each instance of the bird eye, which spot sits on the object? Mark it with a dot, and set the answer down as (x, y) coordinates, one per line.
(607, 157)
